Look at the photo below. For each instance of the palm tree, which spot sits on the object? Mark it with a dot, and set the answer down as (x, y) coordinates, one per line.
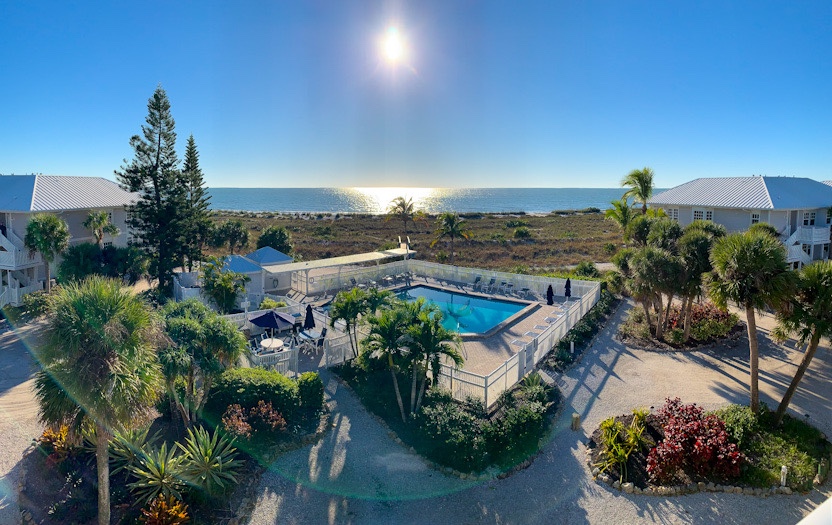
(348, 307)
(430, 342)
(449, 224)
(750, 269)
(98, 222)
(385, 341)
(641, 186)
(403, 209)
(49, 235)
(809, 315)
(622, 214)
(98, 366)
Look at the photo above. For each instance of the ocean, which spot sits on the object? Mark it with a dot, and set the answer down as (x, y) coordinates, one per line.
(429, 200)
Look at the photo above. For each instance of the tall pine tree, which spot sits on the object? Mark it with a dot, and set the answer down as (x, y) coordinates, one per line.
(158, 218)
(197, 217)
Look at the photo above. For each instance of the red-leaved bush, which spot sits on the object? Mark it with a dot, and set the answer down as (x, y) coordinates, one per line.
(692, 441)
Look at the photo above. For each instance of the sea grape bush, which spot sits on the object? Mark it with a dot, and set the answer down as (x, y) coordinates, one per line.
(695, 441)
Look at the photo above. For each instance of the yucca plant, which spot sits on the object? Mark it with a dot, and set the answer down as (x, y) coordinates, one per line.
(165, 511)
(210, 462)
(129, 448)
(158, 472)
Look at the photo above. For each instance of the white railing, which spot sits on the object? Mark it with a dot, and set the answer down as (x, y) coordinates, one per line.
(813, 234)
(488, 388)
(4, 296)
(285, 362)
(15, 296)
(461, 383)
(796, 253)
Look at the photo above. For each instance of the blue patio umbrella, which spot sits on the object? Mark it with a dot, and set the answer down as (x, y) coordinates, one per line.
(274, 320)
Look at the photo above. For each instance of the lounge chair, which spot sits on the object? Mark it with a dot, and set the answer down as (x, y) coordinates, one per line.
(477, 283)
(489, 288)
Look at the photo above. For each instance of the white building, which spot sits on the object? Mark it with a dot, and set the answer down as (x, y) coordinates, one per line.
(797, 207)
(70, 198)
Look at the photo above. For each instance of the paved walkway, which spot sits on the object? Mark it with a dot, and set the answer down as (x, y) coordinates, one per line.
(18, 419)
(358, 474)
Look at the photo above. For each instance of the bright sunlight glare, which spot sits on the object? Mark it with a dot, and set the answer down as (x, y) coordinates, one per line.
(393, 46)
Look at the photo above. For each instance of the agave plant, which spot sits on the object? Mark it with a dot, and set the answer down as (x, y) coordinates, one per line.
(158, 472)
(210, 462)
(127, 449)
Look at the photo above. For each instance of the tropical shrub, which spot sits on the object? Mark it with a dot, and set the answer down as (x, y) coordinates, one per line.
(522, 233)
(264, 419)
(587, 269)
(619, 441)
(740, 423)
(127, 449)
(35, 304)
(158, 472)
(209, 463)
(516, 223)
(55, 444)
(248, 386)
(453, 436)
(165, 511)
(519, 428)
(695, 441)
(235, 422)
(311, 391)
(268, 304)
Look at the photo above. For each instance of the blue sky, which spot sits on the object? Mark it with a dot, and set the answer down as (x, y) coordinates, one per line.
(489, 94)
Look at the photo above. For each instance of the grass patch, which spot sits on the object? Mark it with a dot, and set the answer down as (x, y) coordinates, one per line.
(795, 444)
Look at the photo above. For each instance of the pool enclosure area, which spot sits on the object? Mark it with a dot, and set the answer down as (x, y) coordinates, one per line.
(496, 358)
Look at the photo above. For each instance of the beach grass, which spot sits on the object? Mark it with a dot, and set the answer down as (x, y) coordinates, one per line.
(546, 242)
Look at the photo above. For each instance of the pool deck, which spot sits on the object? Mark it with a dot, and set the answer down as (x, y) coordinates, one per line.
(484, 355)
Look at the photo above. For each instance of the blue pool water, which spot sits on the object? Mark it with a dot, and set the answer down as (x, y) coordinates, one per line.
(462, 312)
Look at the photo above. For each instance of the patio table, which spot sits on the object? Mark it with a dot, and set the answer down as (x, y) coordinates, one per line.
(272, 344)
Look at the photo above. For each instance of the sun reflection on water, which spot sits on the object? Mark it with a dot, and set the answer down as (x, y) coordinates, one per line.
(376, 200)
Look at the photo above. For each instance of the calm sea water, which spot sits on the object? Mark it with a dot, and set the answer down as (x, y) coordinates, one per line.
(430, 200)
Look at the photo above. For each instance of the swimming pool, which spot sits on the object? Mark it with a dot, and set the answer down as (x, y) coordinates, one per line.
(462, 312)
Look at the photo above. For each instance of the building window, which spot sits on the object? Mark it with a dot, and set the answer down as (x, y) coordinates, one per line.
(755, 218)
(826, 251)
(699, 215)
(110, 216)
(808, 218)
(673, 214)
(107, 244)
(796, 265)
(807, 249)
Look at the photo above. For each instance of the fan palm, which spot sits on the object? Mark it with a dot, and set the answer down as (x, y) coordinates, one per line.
(430, 343)
(385, 342)
(49, 235)
(452, 226)
(98, 222)
(402, 209)
(750, 269)
(98, 365)
(809, 315)
(641, 186)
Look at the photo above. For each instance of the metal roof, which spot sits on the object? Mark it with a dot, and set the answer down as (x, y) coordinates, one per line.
(756, 193)
(268, 255)
(339, 261)
(240, 264)
(34, 193)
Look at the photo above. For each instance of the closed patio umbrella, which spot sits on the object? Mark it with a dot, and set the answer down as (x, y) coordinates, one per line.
(309, 321)
(550, 296)
(274, 320)
(567, 289)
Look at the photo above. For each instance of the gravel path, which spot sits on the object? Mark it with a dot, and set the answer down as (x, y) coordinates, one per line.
(358, 474)
(18, 419)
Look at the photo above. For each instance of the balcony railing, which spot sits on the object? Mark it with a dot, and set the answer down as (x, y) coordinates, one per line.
(813, 234)
(14, 255)
(796, 253)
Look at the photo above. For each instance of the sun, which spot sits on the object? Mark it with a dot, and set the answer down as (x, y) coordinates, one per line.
(393, 46)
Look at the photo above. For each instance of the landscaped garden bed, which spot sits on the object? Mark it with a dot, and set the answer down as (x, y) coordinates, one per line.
(708, 325)
(464, 437)
(681, 448)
